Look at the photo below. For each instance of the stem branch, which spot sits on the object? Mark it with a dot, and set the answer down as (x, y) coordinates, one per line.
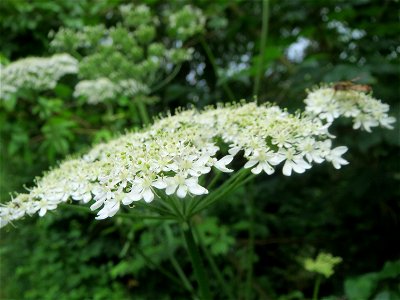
(249, 279)
(212, 60)
(214, 267)
(316, 287)
(198, 267)
(263, 41)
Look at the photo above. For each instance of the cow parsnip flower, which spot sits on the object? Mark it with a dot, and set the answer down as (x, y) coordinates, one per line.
(129, 58)
(365, 111)
(171, 156)
(186, 22)
(102, 89)
(35, 73)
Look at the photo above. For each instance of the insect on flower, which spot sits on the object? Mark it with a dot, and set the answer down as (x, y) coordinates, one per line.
(349, 85)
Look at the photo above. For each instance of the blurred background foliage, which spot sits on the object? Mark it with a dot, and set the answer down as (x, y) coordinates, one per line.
(352, 213)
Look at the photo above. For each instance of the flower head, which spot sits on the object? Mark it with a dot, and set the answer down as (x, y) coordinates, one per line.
(170, 156)
(35, 73)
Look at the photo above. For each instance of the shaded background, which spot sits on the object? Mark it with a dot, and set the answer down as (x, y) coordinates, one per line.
(352, 213)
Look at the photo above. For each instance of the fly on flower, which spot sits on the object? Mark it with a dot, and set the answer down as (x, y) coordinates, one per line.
(351, 86)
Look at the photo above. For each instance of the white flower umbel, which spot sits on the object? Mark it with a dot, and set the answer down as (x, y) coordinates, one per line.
(95, 91)
(172, 155)
(102, 89)
(186, 22)
(34, 73)
(366, 111)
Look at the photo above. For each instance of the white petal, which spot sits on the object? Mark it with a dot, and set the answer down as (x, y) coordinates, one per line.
(97, 190)
(338, 162)
(160, 184)
(113, 210)
(268, 169)
(51, 206)
(148, 195)
(171, 189)
(42, 211)
(302, 163)
(340, 150)
(198, 190)
(221, 164)
(277, 159)
(257, 170)
(287, 168)
(234, 150)
(182, 191)
(298, 168)
(192, 181)
(226, 159)
(101, 215)
(86, 197)
(250, 163)
(318, 159)
(130, 197)
(96, 205)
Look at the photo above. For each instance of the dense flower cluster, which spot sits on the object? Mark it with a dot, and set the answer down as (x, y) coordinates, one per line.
(365, 111)
(34, 73)
(170, 157)
(129, 58)
(102, 89)
(186, 22)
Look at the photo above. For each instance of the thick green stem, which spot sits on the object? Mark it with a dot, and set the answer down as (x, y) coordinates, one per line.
(212, 60)
(171, 76)
(316, 288)
(214, 267)
(263, 42)
(163, 271)
(174, 262)
(250, 258)
(198, 267)
(144, 115)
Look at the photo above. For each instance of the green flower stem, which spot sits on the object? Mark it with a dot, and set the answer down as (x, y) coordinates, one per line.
(250, 258)
(127, 245)
(167, 80)
(144, 115)
(316, 288)
(167, 211)
(174, 262)
(200, 201)
(263, 41)
(198, 267)
(213, 265)
(163, 271)
(211, 58)
(215, 179)
(223, 190)
(176, 207)
(123, 215)
(148, 260)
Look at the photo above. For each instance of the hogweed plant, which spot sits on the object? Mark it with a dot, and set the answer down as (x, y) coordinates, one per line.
(168, 170)
(115, 74)
(131, 59)
(35, 73)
